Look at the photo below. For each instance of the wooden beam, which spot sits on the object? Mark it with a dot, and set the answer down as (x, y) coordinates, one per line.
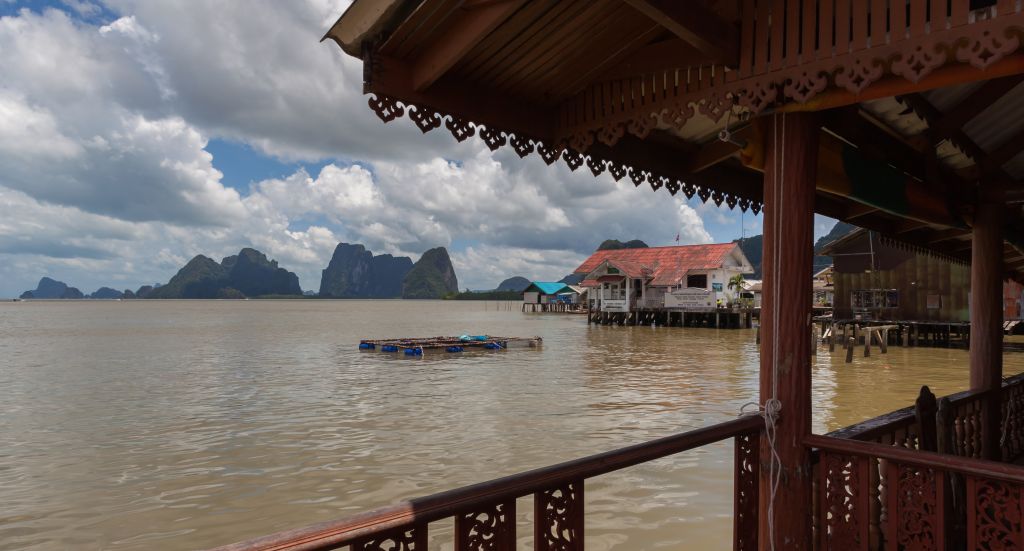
(717, 151)
(946, 235)
(908, 226)
(856, 210)
(470, 24)
(662, 159)
(697, 25)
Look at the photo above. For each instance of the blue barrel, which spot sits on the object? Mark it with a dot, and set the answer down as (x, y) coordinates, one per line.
(389, 348)
(413, 351)
(455, 349)
(366, 346)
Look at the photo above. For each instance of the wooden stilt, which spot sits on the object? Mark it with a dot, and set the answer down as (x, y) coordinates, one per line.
(987, 316)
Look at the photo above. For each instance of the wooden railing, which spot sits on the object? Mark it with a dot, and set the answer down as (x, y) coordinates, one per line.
(485, 513)
(957, 422)
(930, 501)
(951, 428)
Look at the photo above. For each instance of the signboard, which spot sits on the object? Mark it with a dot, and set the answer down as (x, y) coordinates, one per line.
(614, 306)
(690, 298)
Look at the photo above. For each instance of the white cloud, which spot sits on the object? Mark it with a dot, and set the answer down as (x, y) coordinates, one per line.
(104, 177)
(692, 230)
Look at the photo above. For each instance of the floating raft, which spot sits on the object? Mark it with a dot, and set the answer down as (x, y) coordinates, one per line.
(416, 346)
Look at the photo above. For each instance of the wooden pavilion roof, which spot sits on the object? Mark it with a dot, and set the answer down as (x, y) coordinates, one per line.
(921, 101)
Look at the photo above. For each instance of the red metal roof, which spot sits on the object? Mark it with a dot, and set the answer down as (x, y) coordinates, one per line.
(668, 264)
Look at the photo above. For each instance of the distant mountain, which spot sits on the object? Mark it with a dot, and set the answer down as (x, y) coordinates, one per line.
(355, 272)
(433, 276)
(612, 244)
(252, 274)
(753, 248)
(515, 284)
(202, 277)
(837, 231)
(572, 279)
(107, 293)
(51, 288)
(145, 291)
(247, 274)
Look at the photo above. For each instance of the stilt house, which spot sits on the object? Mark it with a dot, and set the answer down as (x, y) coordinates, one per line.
(650, 278)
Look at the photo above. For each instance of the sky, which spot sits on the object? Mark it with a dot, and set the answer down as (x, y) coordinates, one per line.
(136, 134)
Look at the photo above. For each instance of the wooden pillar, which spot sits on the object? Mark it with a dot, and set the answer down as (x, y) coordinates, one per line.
(987, 316)
(789, 181)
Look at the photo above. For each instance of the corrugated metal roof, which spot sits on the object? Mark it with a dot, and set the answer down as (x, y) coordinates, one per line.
(992, 128)
(669, 265)
(999, 122)
(549, 287)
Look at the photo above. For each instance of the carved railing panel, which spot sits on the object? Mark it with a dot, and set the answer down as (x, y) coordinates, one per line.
(919, 499)
(917, 507)
(559, 514)
(409, 539)
(844, 507)
(489, 529)
(746, 492)
(994, 519)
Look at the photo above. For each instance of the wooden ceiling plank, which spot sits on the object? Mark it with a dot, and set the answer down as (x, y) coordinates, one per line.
(527, 18)
(664, 55)
(408, 27)
(697, 25)
(587, 66)
(420, 28)
(468, 27)
(391, 76)
(582, 27)
(518, 49)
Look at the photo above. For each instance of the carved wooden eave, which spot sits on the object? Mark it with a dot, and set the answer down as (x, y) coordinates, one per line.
(640, 89)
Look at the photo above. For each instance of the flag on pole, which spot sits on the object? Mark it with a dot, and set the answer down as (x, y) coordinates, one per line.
(677, 238)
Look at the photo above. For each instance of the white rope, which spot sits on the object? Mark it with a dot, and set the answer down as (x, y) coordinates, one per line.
(772, 406)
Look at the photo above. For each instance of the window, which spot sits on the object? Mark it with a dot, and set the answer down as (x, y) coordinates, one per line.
(875, 298)
(697, 280)
(717, 287)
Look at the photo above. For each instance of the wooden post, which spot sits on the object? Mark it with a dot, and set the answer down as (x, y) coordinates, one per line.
(987, 317)
(849, 350)
(883, 343)
(789, 189)
(867, 343)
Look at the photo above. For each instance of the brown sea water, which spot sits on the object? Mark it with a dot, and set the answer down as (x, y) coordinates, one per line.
(188, 424)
